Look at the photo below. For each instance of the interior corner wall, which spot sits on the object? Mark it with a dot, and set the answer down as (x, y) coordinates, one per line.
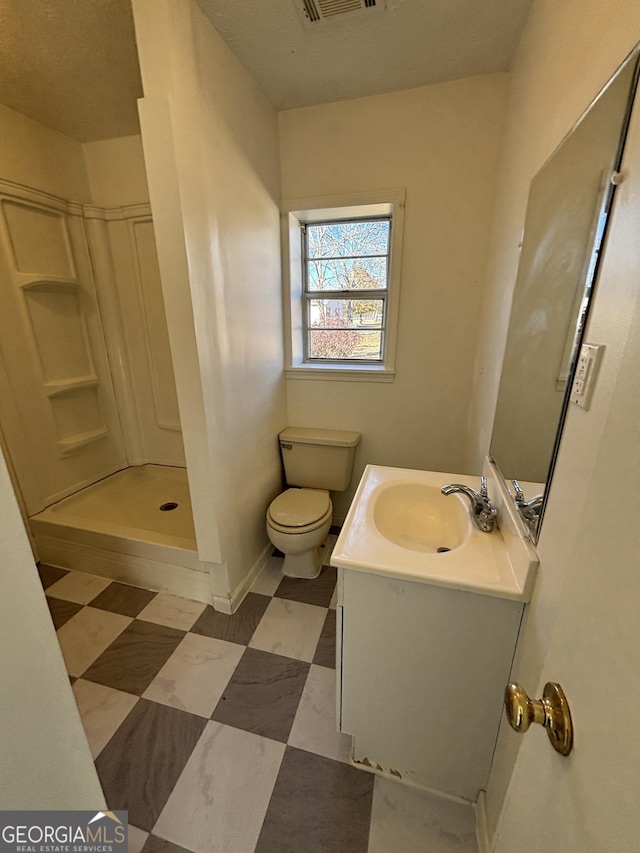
(568, 52)
(35, 155)
(442, 143)
(211, 146)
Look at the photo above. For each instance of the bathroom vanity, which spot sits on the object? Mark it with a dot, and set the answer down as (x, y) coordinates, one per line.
(425, 636)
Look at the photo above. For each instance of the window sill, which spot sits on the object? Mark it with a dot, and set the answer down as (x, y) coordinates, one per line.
(336, 373)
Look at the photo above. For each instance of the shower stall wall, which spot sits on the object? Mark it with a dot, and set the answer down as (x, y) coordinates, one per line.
(58, 404)
(87, 389)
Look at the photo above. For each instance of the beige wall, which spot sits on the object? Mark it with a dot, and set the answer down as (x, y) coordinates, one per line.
(35, 155)
(210, 140)
(568, 52)
(441, 143)
(116, 172)
(108, 173)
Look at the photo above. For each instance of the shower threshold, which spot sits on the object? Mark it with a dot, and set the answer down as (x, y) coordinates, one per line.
(117, 528)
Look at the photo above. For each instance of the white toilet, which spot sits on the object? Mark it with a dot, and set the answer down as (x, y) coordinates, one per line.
(298, 520)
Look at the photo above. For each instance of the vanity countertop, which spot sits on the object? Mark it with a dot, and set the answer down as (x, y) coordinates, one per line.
(483, 563)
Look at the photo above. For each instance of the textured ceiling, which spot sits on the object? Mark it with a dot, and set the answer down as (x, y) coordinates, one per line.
(72, 65)
(412, 43)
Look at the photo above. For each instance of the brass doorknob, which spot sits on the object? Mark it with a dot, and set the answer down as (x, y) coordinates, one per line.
(552, 712)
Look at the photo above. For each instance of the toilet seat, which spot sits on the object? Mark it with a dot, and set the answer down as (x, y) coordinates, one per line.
(298, 511)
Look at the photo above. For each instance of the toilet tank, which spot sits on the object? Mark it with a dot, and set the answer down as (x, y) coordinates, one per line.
(318, 458)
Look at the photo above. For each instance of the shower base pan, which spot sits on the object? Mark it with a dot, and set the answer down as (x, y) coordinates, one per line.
(135, 527)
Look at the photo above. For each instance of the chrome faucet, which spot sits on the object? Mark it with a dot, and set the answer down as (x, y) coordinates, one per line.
(529, 510)
(483, 512)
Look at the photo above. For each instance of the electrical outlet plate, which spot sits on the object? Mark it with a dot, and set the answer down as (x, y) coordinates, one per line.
(586, 372)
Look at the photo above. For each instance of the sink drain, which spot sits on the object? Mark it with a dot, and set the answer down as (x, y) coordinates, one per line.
(443, 549)
(168, 506)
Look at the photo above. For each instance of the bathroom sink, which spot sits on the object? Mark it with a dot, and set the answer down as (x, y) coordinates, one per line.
(419, 517)
(401, 525)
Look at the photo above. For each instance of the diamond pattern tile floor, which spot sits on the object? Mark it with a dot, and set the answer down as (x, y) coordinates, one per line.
(139, 767)
(238, 628)
(50, 574)
(61, 610)
(120, 598)
(317, 591)
(317, 805)
(217, 733)
(263, 694)
(134, 659)
(325, 654)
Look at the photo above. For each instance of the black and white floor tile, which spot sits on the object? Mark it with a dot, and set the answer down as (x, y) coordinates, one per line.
(217, 733)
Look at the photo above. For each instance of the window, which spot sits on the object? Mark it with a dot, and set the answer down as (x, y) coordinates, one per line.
(346, 269)
(343, 282)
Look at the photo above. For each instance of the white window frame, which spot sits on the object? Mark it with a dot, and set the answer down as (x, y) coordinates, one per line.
(296, 213)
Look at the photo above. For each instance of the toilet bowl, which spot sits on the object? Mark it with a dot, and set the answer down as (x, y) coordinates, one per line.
(298, 521)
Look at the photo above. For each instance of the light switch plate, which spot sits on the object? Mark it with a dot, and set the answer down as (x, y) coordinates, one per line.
(586, 373)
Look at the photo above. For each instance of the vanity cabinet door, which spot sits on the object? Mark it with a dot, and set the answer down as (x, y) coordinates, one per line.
(423, 670)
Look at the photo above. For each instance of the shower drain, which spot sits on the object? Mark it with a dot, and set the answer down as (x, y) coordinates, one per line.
(168, 506)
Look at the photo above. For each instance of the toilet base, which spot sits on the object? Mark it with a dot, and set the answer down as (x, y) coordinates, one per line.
(306, 565)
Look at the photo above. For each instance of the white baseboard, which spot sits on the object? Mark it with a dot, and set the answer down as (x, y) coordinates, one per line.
(483, 834)
(230, 604)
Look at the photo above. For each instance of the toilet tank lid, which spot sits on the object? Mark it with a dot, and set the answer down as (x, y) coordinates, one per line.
(330, 437)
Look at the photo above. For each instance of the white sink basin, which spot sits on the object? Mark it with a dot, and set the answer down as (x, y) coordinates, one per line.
(419, 517)
(401, 525)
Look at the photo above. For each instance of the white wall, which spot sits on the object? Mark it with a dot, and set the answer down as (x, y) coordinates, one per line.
(568, 52)
(442, 143)
(46, 762)
(210, 141)
(116, 172)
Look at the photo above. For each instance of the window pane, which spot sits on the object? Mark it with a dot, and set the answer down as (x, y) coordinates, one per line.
(348, 274)
(342, 313)
(339, 239)
(345, 344)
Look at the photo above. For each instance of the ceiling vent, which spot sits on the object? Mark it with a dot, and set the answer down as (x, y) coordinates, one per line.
(313, 13)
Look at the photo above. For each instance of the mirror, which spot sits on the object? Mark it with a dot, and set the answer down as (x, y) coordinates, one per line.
(569, 202)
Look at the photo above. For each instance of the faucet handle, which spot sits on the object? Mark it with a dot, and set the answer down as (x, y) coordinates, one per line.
(483, 487)
(519, 494)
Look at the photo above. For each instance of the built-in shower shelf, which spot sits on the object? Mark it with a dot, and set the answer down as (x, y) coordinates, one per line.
(69, 446)
(52, 284)
(68, 386)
